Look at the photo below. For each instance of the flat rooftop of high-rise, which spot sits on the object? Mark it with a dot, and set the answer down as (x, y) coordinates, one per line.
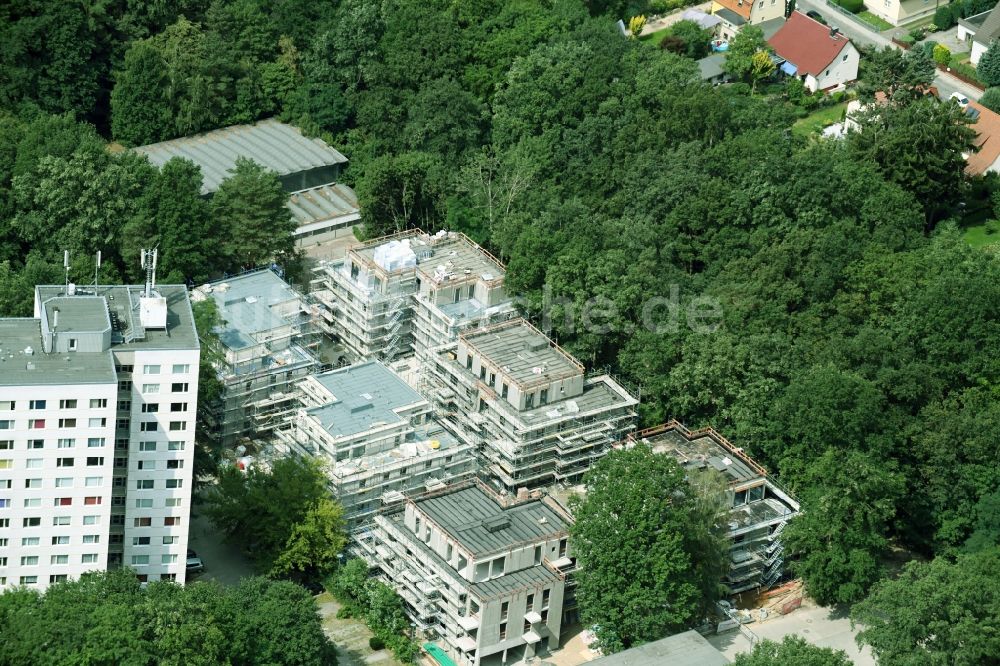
(440, 257)
(702, 449)
(525, 354)
(23, 363)
(81, 310)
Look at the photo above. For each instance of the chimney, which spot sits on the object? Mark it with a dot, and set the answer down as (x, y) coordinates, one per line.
(834, 33)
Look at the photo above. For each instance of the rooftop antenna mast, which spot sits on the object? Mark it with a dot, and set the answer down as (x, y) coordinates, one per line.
(149, 263)
(66, 266)
(97, 267)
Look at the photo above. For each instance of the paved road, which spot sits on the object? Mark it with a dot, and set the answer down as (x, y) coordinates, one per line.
(820, 626)
(860, 34)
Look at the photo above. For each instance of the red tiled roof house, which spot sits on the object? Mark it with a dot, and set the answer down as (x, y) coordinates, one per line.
(818, 55)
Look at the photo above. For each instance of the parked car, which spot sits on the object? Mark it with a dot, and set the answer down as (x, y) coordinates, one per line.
(194, 563)
(816, 16)
(962, 100)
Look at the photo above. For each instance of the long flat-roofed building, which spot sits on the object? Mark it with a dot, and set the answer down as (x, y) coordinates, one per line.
(98, 394)
(262, 351)
(539, 417)
(308, 168)
(760, 507)
(377, 435)
(486, 574)
(407, 293)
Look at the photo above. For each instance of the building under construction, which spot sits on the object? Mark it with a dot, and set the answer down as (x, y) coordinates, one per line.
(409, 292)
(760, 508)
(260, 350)
(377, 437)
(539, 417)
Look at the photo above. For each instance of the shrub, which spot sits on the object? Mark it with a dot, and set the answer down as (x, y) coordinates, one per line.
(928, 47)
(943, 17)
(838, 96)
(909, 40)
(917, 34)
(941, 54)
(991, 99)
(376, 643)
(853, 6)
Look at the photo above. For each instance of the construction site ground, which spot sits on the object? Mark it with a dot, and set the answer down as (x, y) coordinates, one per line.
(787, 611)
(350, 635)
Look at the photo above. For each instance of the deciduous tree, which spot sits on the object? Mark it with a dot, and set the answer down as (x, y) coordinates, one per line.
(791, 651)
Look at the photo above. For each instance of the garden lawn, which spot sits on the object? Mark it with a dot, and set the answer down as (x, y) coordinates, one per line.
(653, 38)
(979, 228)
(817, 120)
(874, 21)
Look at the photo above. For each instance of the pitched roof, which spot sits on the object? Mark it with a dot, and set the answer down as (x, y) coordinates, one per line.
(807, 44)
(987, 128)
(990, 28)
(741, 7)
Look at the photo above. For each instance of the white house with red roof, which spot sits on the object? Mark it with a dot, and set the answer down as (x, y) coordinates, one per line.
(822, 57)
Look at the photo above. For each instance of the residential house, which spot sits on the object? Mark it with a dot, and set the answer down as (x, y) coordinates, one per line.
(822, 57)
(979, 32)
(759, 507)
(986, 123)
(487, 577)
(737, 13)
(902, 12)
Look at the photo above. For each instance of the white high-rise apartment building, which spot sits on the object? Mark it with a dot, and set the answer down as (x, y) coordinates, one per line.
(98, 395)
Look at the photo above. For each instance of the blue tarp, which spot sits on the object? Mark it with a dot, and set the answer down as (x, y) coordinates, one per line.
(789, 68)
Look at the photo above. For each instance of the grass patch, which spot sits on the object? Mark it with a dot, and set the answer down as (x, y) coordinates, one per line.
(980, 229)
(653, 38)
(874, 21)
(815, 122)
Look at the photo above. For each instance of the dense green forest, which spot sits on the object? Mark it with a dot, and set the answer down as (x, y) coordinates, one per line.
(858, 349)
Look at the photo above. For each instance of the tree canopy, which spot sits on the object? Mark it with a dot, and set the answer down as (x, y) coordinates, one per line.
(791, 651)
(640, 509)
(107, 617)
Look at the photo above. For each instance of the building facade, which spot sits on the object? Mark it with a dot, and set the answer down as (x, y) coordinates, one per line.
(406, 293)
(759, 507)
(377, 435)
(484, 574)
(98, 395)
(539, 418)
(260, 351)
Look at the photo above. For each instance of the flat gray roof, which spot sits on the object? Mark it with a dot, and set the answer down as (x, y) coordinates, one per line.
(704, 449)
(712, 66)
(503, 585)
(271, 144)
(326, 202)
(687, 649)
(522, 351)
(246, 305)
(18, 368)
(442, 258)
(475, 519)
(366, 395)
(123, 308)
(78, 314)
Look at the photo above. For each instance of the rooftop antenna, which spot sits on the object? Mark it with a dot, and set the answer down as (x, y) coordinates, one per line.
(149, 263)
(66, 266)
(97, 268)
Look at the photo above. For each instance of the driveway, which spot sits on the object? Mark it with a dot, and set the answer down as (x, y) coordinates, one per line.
(825, 627)
(223, 561)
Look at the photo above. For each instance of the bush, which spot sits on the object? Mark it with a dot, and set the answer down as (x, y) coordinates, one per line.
(838, 96)
(991, 99)
(909, 40)
(941, 54)
(966, 70)
(928, 47)
(853, 6)
(346, 612)
(943, 17)
(376, 643)
(917, 34)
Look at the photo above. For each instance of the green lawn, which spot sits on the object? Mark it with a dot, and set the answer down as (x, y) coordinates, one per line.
(815, 122)
(976, 228)
(874, 21)
(653, 38)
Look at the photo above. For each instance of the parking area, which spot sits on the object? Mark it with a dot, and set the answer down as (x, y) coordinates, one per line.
(223, 561)
(825, 627)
